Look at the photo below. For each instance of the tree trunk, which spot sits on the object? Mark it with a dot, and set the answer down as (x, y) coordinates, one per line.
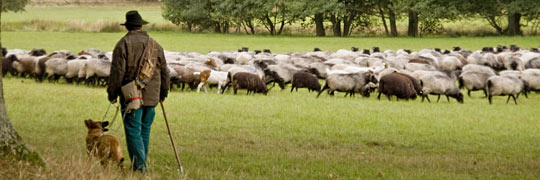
(281, 27)
(336, 25)
(493, 22)
(270, 25)
(189, 27)
(514, 26)
(319, 25)
(11, 144)
(381, 12)
(413, 24)
(393, 27)
(217, 27)
(348, 23)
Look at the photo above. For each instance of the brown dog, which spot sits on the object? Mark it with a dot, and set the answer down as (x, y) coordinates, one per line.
(104, 147)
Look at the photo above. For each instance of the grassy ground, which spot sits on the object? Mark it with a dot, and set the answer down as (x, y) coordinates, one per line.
(204, 43)
(290, 135)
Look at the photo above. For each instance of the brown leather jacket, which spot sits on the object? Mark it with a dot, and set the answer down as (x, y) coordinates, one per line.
(126, 56)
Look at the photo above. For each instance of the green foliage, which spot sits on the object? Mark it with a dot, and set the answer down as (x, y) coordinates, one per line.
(13, 5)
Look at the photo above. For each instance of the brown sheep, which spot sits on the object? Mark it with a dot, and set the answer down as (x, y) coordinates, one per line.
(249, 81)
(186, 76)
(305, 80)
(400, 85)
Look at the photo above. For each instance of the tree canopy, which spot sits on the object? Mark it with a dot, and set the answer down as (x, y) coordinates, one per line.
(343, 17)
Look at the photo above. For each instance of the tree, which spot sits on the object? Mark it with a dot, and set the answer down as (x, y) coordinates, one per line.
(496, 11)
(11, 144)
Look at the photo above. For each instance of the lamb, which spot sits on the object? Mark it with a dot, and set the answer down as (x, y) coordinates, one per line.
(350, 83)
(249, 81)
(437, 84)
(212, 77)
(305, 80)
(505, 86)
(473, 81)
(400, 85)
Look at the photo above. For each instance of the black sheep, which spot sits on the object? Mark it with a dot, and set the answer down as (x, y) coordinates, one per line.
(7, 65)
(400, 85)
(305, 80)
(249, 81)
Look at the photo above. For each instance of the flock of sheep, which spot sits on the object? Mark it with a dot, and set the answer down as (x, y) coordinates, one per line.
(497, 71)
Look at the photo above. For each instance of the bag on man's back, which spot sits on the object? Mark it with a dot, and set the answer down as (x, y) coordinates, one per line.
(133, 90)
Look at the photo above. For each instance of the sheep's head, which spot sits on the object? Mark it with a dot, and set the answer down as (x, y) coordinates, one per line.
(38, 52)
(4, 52)
(272, 76)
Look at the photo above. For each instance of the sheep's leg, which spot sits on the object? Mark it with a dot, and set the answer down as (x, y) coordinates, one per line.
(205, 89)
(235, 91)
(292, 88)
(447, 98)
(199, 87)
(469, 92)
(489, 98)
(324, 88)
(515, 101)
(485, 93)
(219, 86)
(427, 97)
(346, 93)
(508, 99)
(438, 98)
(379, 96)
(296, 89)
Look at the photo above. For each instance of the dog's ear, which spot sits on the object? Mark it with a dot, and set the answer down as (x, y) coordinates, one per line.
(88, 123)
(105, 129)
(104, 124)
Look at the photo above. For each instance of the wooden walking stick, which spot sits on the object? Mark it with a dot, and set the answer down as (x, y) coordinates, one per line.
(172, 141)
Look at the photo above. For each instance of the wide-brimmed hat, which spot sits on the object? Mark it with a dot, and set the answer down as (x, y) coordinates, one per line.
(134, 18)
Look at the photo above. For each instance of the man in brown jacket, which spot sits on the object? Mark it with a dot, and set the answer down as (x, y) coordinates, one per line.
(126, 56)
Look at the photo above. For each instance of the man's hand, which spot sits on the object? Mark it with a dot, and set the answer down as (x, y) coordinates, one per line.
(113, 101)
(161, 100)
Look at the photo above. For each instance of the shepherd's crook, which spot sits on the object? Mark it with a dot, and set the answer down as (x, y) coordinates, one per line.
(170, 136)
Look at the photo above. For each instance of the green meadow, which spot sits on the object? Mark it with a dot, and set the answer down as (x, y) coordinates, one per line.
(204, 43)
(288, 135)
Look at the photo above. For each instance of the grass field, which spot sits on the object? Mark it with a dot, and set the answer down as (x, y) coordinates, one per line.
(291, 135)
(204, 43)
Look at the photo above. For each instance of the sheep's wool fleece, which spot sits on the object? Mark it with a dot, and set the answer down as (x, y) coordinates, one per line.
(126, 55)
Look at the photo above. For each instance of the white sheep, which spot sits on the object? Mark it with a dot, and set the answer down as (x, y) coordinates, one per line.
(437, 84)
(505, 86)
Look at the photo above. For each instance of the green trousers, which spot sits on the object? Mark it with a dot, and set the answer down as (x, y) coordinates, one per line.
(137, 126)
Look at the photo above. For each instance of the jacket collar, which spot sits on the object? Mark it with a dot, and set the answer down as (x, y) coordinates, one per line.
(137, 32)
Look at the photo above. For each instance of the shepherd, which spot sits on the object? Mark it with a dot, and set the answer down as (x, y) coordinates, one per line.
(140, 77)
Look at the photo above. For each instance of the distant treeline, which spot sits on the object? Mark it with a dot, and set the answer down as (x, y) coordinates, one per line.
(343, 17)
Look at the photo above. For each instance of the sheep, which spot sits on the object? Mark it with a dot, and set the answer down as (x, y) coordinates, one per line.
(513, 62)
(249, 81)
(350, 83)
(186, 76)
(478, 68)
(97, 71)
(505, 86)
(212, 77)
(305, 80)
(418, 66)
(73, 69)
(7, 65)
(473, 81)
(450, 63)
(26, 65)
(55, 68)
(437, 84)
(401, 85)
(532, 78)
